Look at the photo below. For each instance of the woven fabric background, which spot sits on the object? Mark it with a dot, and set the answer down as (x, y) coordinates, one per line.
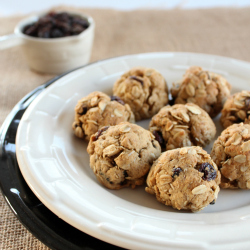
(213, 31)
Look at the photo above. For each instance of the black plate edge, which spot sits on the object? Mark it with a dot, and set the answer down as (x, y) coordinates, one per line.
(32, 223)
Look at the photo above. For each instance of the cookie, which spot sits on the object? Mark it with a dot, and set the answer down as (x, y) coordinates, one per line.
(97, 110)
(236, 109)
(181, 126)
(231, 153)
(121, 155)
(184, 178)
(144, 89)
(203, 88)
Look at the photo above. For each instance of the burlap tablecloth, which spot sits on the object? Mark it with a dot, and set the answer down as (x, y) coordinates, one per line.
(214, 31)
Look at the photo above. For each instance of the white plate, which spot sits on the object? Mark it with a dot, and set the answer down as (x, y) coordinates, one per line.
(55, 165)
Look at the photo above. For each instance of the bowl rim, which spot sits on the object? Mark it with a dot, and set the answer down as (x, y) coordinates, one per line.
(19, 28)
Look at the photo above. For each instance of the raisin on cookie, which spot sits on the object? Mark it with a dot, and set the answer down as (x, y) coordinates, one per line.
(184, 178)
(203, 88)
(236, 109)
(181, 126)
(231, 153)
(121, 155)
(144, 89)
(97, 110)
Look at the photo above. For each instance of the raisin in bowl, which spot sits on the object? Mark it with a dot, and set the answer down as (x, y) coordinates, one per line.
(55, 25)
(56, 42)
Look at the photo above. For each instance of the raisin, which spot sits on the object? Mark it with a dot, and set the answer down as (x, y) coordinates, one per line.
(125, 180)
(171, 102)
(137, 79)
(153, 143)
(56, 33)
(77, 29)
(159, 138)
(247, 104)
(83, 110)
(100, 131)
(44, 32)
(45, 20)
(54, 25)
(212, 203)
(63, 16)
(82, 22)
(30, 30)
(111, 182)
(117, 99)
(65, 27)
(125, 173)
(176, 172)
(208, 170)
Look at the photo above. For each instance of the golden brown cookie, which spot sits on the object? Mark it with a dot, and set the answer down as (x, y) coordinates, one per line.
(231, 153)
(182, 125)
(144, 89)
(184, 178)
(236, 109)
(203, 88)
(122, 155)
(97, 110)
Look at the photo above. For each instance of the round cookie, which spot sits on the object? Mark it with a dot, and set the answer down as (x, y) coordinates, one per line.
(206, 89)
(97, 110)
(122, 155)
(144, 89)
(231, 153)
(181, 126)
(236, 109)
(184, 178)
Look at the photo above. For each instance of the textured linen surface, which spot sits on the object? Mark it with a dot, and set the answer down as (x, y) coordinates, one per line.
(213, 31)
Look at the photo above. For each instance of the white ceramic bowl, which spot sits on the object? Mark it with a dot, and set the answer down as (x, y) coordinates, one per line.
(52, 55)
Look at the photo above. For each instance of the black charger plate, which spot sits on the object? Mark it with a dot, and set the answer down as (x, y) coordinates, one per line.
(38, 219)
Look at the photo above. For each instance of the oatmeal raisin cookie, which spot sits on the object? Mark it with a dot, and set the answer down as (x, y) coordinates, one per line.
(206, 89)
(144, 89)
(97, 110)
(231, 153)
(182, 125)
(236, 109)
(184, 178)
(122, 155)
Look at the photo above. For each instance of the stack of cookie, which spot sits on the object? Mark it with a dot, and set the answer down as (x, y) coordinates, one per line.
(168, 156)
(121, 153)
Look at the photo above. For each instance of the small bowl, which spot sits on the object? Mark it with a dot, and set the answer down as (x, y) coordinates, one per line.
(52, 55)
